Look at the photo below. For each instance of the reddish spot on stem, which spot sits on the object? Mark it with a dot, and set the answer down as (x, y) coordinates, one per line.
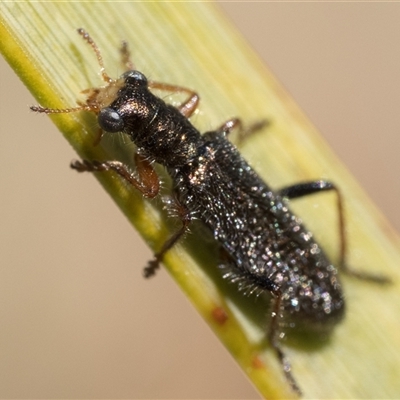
(219, 315)
(257, 363)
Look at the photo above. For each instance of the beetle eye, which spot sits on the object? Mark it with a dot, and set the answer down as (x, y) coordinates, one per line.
(110, 121)
(135, 78)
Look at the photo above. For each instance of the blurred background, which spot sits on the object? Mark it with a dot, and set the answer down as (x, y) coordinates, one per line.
(71, 326)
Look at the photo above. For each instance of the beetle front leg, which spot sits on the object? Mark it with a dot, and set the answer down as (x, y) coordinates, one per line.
(145, 178)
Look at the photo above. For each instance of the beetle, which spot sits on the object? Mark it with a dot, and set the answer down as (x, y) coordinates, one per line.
(263, 245)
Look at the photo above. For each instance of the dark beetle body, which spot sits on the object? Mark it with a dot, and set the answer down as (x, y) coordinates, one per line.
(267, 247)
